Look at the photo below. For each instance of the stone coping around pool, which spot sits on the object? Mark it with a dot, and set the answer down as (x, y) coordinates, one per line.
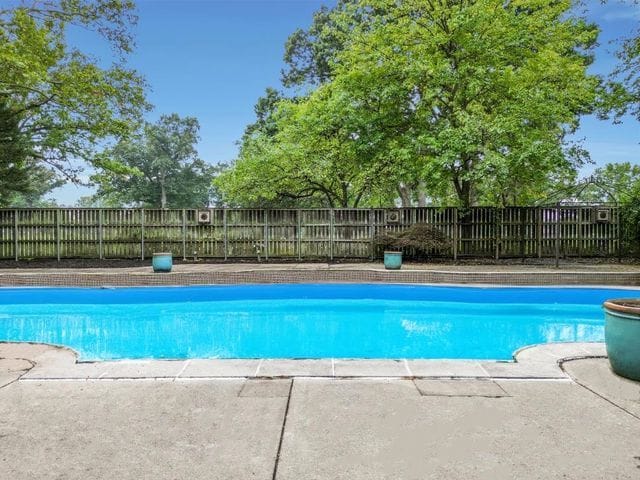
(207, 274)
(40, 362)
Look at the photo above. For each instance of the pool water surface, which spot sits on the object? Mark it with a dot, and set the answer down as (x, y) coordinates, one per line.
(303, 321)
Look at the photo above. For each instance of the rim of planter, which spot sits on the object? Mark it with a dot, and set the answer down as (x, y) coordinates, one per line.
(624, 305)
(392, 251)
(163, 254)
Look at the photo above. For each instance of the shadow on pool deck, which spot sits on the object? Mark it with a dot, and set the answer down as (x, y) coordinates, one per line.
(317, 428)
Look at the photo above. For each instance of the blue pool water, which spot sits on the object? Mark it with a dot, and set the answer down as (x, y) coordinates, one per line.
(303, 321)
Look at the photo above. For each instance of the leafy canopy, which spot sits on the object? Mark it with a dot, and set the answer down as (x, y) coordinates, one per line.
(470, 99)
(161, 168)
(65, 104)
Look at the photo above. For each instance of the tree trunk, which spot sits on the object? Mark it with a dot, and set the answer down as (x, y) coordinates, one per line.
(405, 194)
(422, 196)
(163, 193)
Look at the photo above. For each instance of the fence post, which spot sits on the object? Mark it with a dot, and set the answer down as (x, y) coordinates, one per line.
(299, 233)
(523, 250)
(540, 218)
(100, 235)
(557, 235)
(331, 225)
(58, 234)
(224, 232)
(499, 213)
(265, 234)
(372, 247)
(618, 235)
(184, 234)
(142, 233)
(16, 246)
(455, 234)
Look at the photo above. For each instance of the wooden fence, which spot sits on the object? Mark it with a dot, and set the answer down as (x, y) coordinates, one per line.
(514, 232)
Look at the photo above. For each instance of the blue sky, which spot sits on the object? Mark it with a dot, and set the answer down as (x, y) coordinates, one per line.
(212, 59)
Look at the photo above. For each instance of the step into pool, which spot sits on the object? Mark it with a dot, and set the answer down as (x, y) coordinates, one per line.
(303, 321)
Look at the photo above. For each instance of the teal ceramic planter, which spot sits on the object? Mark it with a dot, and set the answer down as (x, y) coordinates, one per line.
(392, 260)
(162, 262)
(622, 336)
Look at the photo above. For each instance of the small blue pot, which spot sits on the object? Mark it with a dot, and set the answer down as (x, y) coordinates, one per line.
(162, 262)
(393, 260)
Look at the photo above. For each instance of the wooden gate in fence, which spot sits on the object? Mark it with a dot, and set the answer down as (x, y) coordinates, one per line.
(512, 232)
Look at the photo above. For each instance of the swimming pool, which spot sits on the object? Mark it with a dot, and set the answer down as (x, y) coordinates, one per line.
(303, 321)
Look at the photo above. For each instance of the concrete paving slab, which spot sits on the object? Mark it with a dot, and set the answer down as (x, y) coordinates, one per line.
(266, 388)
(288, 368)
(344, 429)
(55, 356)
(14, 365)
(220, 368)
(556, 351)
(596, 375)
(144, 369)
(523, 370)
(11, 369)
(137, 430)
(446, 368)
(460, 388)
(594, 349)
(371, 368)
(7, 378)
(23, 350)
(78, 371)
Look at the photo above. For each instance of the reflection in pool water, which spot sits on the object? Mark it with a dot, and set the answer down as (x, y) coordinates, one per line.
(302, 321)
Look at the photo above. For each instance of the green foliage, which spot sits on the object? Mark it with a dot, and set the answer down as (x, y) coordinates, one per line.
(310, 54)
(22, 181)
(466, 101)
(322, 154)
(265, 110)
(622, 93)
(66, 105)
(614, 182)
(620, 183)
(486, 91)
(159, 168)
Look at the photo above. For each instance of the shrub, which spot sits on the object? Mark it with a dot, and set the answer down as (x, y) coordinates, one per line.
(420, 239)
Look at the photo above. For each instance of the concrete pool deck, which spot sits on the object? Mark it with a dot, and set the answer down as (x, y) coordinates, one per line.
(584, 425)
(58, 363)
(231, 273)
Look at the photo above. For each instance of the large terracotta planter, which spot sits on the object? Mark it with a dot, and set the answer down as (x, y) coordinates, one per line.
(622, 336)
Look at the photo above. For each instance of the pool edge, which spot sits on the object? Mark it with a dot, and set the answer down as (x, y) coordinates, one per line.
(278, 275)
(537, 362)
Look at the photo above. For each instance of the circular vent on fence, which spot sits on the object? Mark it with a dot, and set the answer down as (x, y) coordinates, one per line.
(392, 216)
(204, 216)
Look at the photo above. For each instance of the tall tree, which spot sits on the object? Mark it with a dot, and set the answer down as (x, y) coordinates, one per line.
(614, 182)
(321, 155)
(488, 89)
(161, 168)
(470, 96)
(22, 180)
(620, 183)
(65, 104)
